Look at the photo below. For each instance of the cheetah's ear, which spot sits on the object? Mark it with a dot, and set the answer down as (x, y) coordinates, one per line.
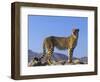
(73, 30)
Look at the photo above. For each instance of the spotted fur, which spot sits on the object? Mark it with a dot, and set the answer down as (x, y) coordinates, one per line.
(61, 43)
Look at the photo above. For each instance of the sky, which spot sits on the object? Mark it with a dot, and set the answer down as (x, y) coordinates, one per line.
(40, 27)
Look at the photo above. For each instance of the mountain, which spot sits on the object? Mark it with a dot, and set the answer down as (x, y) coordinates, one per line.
(55, 56)
(32, 54)
(59, 56)
(84, 59)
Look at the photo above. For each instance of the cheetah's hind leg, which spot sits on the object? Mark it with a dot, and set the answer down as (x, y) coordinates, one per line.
(49, 54)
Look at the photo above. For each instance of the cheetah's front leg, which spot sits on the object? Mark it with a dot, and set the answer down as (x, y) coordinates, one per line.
(70, 55)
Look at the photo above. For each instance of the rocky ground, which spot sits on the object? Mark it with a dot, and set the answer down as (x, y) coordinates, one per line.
(37, 62)
(34, 59)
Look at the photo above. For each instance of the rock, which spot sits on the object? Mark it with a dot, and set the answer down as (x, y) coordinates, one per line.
(77, 61)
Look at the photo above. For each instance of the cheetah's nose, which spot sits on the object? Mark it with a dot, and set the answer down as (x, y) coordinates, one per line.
(78, 30)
